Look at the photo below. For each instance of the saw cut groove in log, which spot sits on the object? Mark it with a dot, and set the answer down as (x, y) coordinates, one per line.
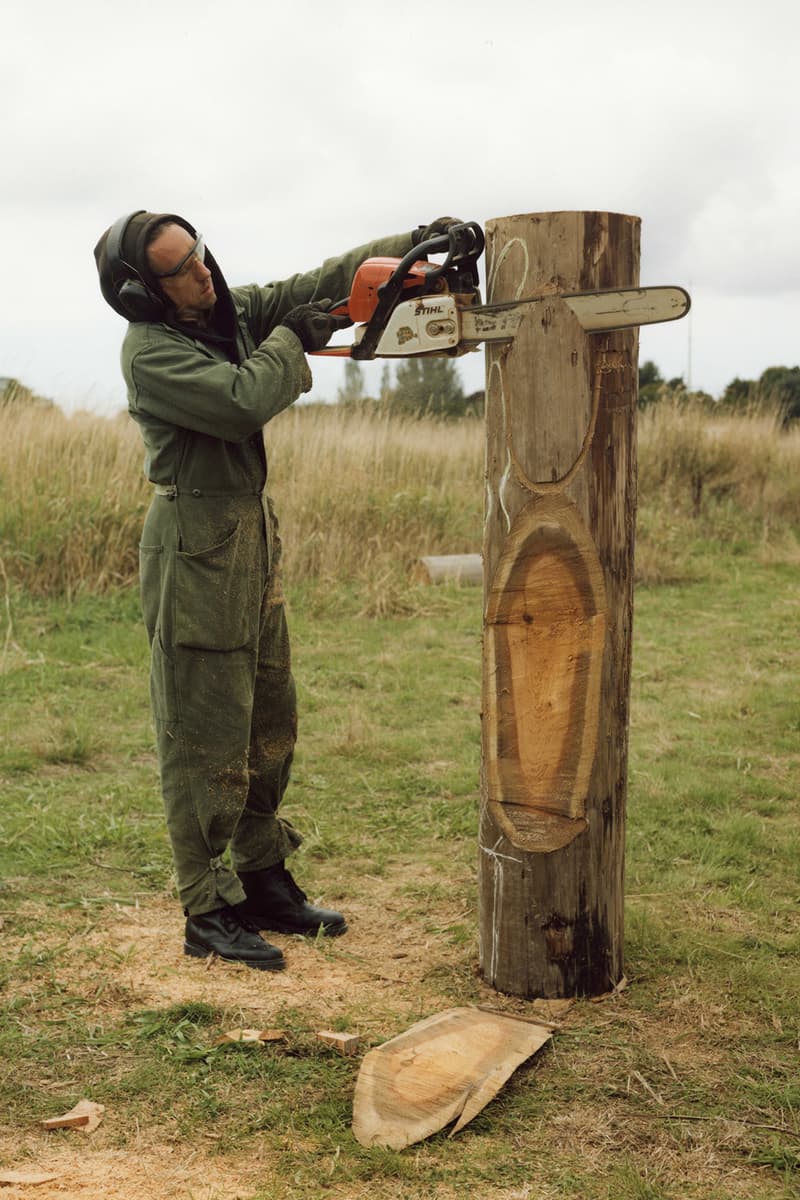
(545, 636)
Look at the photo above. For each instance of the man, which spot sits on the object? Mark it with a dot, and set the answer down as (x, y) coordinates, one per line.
(206, 367)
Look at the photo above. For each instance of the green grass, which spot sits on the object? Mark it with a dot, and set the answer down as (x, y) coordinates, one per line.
(685, 1086)
(714, 761)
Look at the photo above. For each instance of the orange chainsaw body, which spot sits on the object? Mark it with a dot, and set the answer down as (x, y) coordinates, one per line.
(371, 275)
(399, 301)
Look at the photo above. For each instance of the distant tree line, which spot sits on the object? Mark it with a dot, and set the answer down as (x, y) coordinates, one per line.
(417, 387)
(432, 386)
(777, 388)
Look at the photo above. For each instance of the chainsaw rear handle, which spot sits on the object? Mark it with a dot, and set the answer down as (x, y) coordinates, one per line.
(462, 245)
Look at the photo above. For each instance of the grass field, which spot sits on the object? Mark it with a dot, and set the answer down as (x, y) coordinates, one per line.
(685, 1084)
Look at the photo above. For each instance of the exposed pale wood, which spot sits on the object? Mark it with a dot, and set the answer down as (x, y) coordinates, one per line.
(558, 579)
(345, 1043)
(448, 568)
(544, 641)
(86, 1116)
(250, 1035)
(70, 1120)
(444, 1069)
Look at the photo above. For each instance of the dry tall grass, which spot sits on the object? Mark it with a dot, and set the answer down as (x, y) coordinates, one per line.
(357, 493)
(745, 456)
(73, 499)
(362, 494)
(718, 478)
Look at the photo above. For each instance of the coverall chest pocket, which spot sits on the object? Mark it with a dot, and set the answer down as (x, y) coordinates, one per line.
(218, 594)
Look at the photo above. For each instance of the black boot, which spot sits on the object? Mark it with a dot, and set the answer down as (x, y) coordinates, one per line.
(230, 935)
(274, 901)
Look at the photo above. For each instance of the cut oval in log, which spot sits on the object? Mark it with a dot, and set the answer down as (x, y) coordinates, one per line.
(443, 1069)
(545, 639)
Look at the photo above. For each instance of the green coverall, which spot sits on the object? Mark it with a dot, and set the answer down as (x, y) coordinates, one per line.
(221, 687)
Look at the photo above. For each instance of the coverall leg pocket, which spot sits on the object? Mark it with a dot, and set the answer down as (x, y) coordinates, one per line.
(217, 594)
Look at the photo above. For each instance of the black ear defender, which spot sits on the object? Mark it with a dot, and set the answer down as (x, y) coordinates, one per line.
(140, 302)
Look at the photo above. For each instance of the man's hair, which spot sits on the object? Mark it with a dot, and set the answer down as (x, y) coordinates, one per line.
(157, 229)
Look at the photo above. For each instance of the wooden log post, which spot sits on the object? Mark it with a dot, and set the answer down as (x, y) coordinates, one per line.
(558, 589)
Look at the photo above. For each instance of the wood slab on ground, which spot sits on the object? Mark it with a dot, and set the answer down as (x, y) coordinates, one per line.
(86, 1116)
(443, 1069)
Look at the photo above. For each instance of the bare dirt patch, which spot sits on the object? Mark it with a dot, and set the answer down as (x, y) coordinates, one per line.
(381, 976)
(401, 960)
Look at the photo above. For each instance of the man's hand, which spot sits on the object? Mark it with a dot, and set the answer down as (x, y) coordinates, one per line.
(441, 225)
(313, 324)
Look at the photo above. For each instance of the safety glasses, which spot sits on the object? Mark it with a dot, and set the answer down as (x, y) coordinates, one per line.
(196, 253)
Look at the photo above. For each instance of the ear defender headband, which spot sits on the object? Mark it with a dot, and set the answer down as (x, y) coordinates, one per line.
(133, 295)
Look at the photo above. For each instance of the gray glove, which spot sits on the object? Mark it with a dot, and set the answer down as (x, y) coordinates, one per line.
(441, 225)
(313, 324)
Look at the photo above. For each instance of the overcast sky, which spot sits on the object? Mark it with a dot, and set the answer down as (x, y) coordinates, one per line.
(287, 132)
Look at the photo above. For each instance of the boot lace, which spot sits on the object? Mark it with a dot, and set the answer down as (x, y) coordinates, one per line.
(233, 920)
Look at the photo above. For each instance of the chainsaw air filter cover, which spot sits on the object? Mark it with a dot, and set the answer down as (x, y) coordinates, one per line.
(371, 275)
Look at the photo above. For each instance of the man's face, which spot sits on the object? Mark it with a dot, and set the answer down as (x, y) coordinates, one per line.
(190, 290)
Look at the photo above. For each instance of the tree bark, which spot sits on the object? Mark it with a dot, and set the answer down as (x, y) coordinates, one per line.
(558, 590)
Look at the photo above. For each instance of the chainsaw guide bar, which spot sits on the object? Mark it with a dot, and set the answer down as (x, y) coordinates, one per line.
(598, 312)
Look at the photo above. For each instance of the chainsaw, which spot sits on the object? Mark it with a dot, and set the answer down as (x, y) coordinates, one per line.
(409, 307)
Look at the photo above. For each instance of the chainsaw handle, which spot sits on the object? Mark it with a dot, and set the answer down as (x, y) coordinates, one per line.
(461, 241)
(465, 241)
(461, 244)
